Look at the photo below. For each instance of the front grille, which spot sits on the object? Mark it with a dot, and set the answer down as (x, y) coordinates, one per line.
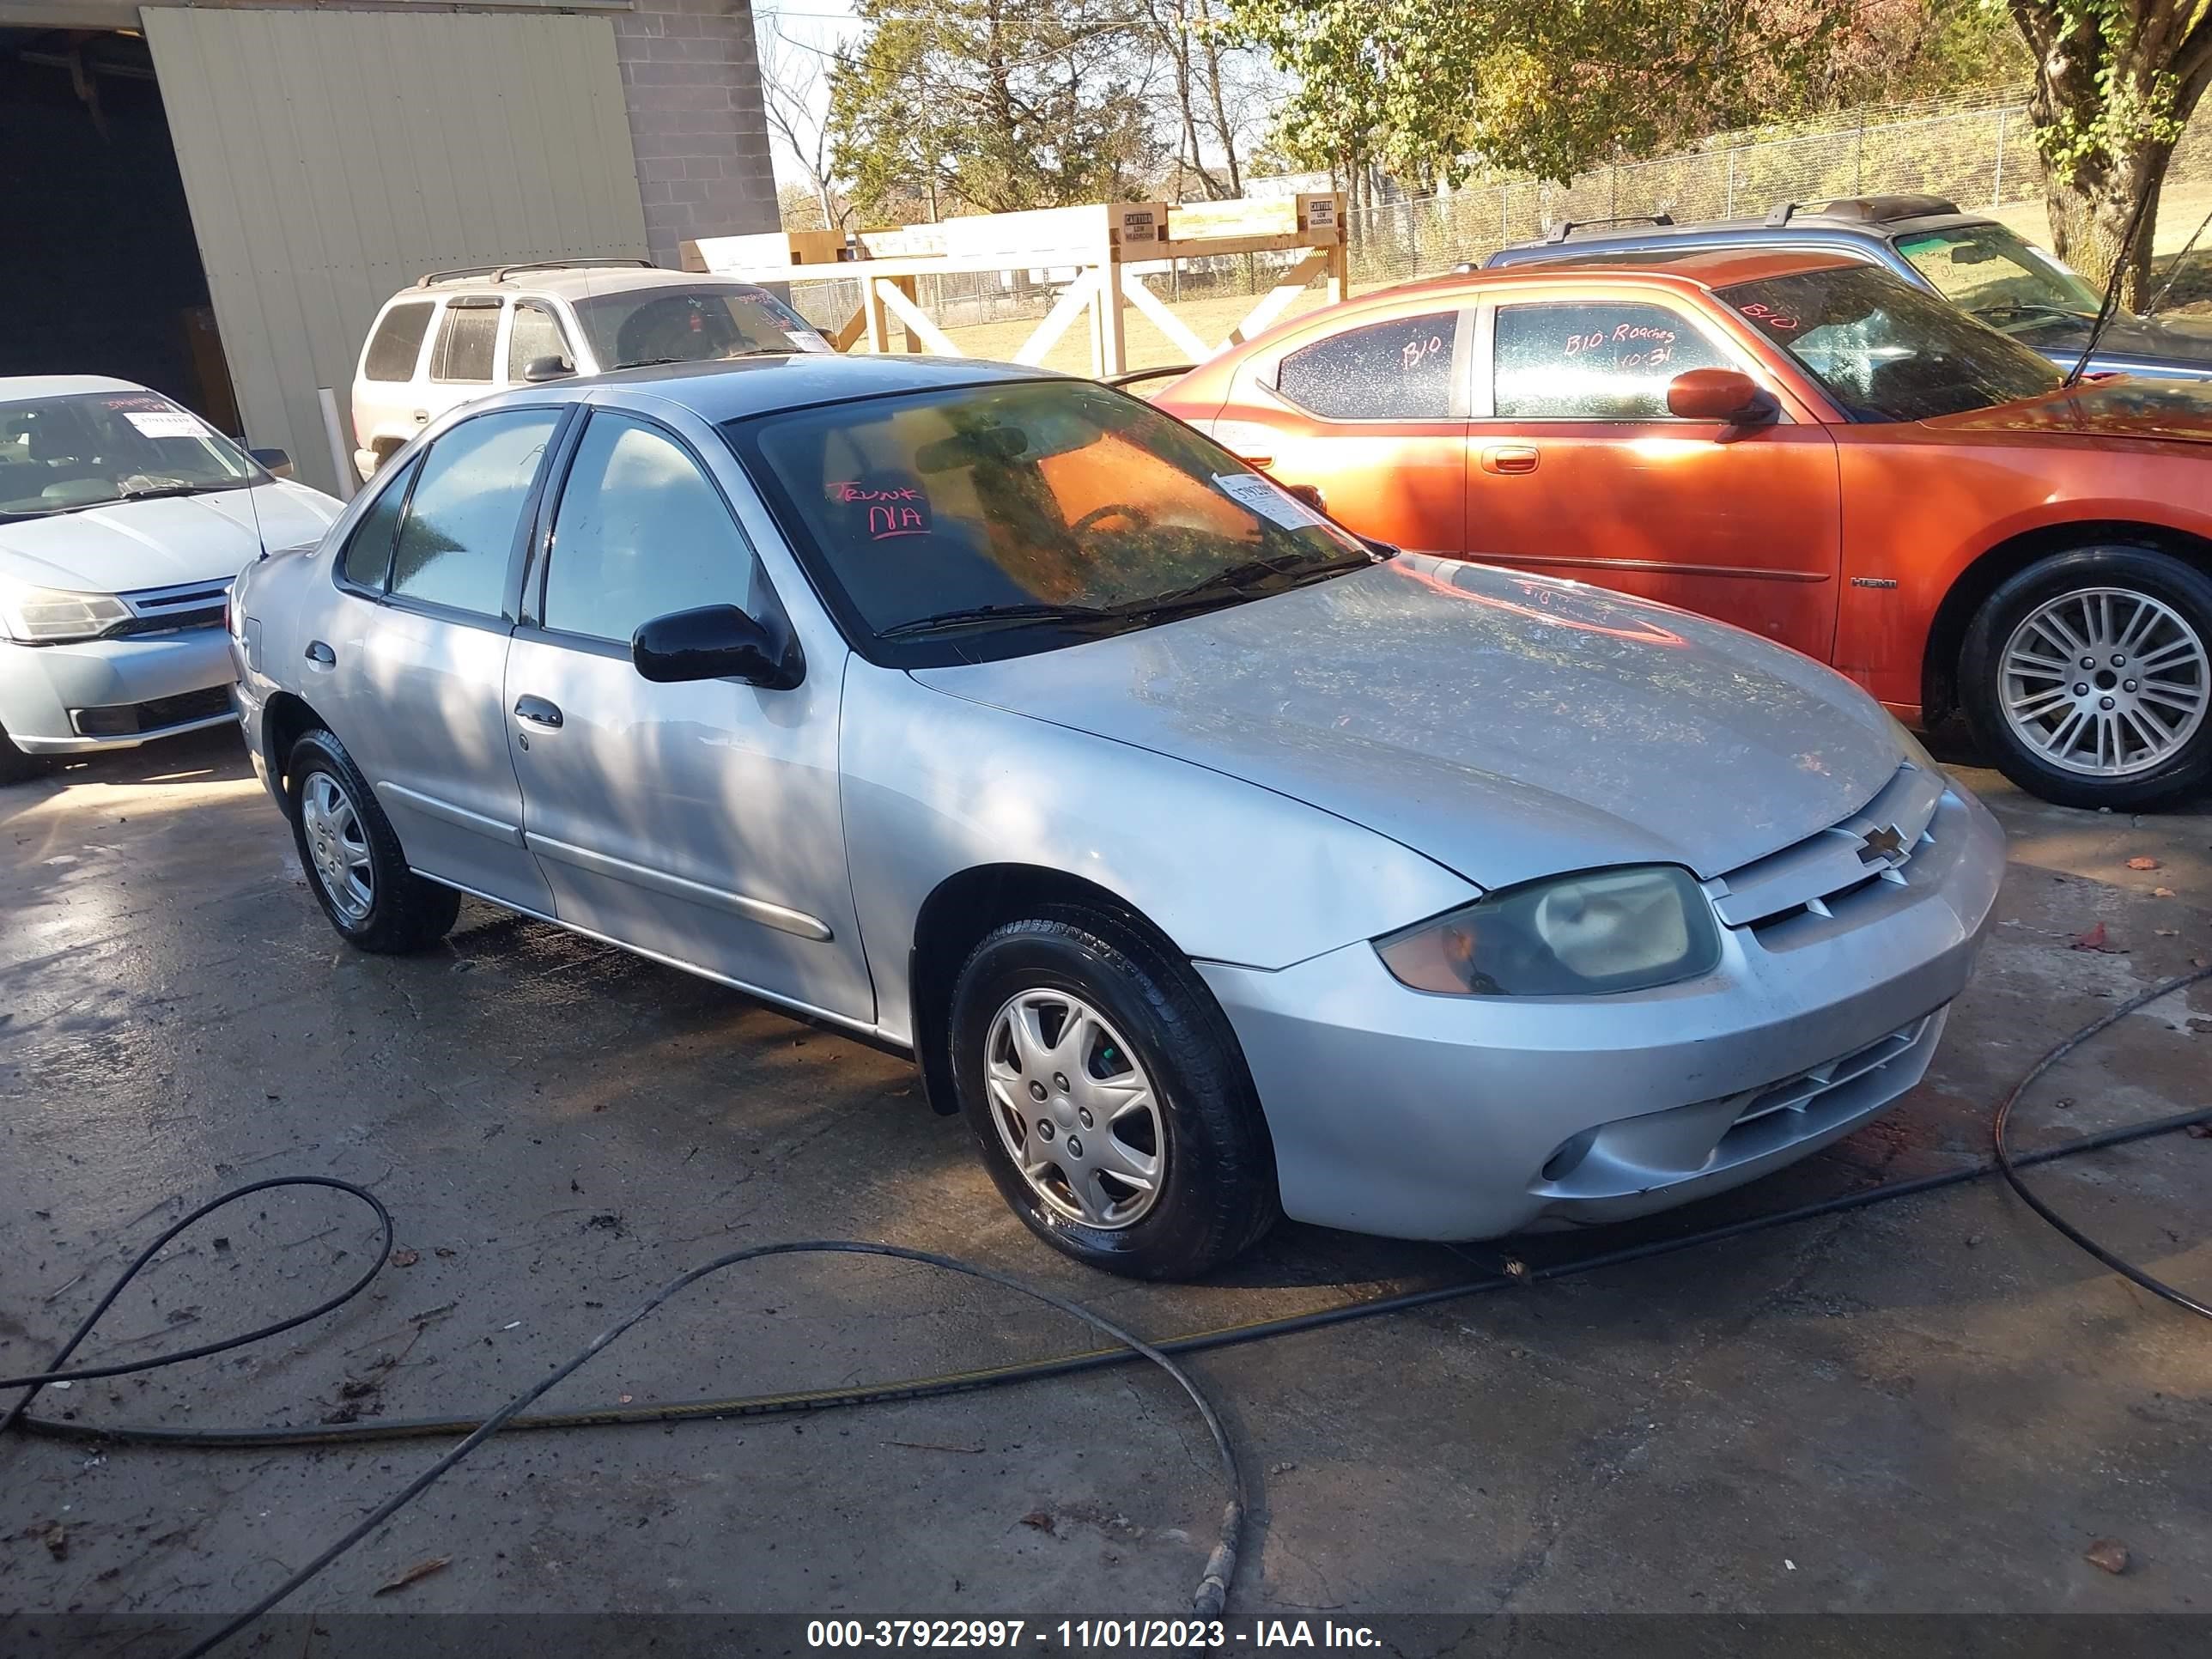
(1827, 873)
(172, 610)
(1796, 1093)
(124, 720)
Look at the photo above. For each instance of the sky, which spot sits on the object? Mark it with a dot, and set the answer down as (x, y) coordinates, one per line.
(816, 25)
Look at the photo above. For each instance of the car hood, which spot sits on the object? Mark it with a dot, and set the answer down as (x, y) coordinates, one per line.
(1507, 726)
(165, 543)
(2121, 406)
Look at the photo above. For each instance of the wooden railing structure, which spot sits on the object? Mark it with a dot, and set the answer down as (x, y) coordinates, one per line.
(1101, 243)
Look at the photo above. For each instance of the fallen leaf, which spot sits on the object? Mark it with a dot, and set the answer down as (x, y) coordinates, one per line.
(420, 1570)
(2200, 1132)
(1042, 1520)
(2167, 933)
(2109, 1553)
(2161, 892)
(2094, 939)
(56, 1541)
(406, 1258)
(2143, 864)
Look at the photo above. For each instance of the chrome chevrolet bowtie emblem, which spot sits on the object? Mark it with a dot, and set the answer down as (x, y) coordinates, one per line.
(1882, 846)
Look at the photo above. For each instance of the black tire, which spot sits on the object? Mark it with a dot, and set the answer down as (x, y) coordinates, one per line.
(15, 766)
(1217, 1191)
(2185, 590)
(404, 911)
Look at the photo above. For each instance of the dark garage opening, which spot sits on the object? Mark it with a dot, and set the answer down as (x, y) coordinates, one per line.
(103, 274)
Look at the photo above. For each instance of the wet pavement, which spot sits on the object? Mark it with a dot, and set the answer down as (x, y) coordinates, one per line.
(1937, 1405)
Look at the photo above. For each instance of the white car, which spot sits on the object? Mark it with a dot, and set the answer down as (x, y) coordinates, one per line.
(123, 521)
(456, 336)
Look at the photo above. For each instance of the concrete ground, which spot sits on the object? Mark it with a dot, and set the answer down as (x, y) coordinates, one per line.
(1935, 1406)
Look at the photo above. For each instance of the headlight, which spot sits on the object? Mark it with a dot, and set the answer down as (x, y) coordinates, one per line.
(1610, 930)
(47, 616)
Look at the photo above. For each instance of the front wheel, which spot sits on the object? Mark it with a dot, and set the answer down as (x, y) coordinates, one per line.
(1109, 1098)
(2086, 677)
(15, 764)
(352, 855)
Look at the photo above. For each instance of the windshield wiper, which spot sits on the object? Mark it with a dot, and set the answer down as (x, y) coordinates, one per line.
(977, 615)
(154, 492)
(750, 351)
(1232, 582)
(2033, 307)
(1235, 581)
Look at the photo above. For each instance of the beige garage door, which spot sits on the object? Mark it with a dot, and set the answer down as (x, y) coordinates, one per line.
(331, 157)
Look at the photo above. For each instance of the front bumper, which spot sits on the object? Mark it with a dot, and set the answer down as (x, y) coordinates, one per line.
(113, 694)
(1422, 1117)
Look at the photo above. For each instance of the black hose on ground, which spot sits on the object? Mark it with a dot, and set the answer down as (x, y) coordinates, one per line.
(1220, 1569)
(2002, 1121)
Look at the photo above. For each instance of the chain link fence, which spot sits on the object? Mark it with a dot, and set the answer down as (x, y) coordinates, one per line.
(1976, 149)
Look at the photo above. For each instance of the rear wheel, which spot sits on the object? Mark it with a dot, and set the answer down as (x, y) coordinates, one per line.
(1109, 1098)
(2087, 676)
(353, 858)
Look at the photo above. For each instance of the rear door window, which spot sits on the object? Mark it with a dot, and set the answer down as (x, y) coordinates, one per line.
(1400, 370)
(1593, 362)
(465, 340)
(397, 346)
(459, 527)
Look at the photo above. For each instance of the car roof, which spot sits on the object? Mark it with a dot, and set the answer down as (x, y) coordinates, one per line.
(1870, 219)
(735, 388)
(1718, 267)
(576, 282)
(27, 388)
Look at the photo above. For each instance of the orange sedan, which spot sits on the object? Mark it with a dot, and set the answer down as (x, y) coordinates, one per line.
(1802, 445)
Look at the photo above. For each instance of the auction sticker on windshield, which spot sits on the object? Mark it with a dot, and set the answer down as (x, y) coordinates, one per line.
(1268, 500)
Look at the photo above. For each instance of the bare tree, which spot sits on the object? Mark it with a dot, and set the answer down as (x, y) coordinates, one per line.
(794, 99)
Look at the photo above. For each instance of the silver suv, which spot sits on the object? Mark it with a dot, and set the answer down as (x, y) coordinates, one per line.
(456, 336)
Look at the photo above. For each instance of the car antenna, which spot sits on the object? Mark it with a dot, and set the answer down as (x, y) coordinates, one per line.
(2180, 259)
(2104, 312)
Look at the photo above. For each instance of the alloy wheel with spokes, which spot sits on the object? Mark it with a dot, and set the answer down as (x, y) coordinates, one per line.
(2106, 681)
(1074, 1109)
(338, 846)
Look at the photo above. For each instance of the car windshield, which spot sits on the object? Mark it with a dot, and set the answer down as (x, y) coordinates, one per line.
(1886, 351)
(997, 519)
(2012, 285)
(60, 454)
(691, 326)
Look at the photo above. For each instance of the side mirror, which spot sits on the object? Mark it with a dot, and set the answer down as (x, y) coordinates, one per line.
(1727, 395)
(715, 643)
(538, 370)
(275, 462)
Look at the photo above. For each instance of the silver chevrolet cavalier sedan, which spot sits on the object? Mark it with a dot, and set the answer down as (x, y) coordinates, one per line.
(1214, 864)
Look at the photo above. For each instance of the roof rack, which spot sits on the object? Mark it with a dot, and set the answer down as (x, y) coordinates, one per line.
(1864, 209)
(1566, 228)
(500, 273)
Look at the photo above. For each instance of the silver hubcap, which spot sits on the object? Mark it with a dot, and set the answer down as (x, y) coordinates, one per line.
(338, 846)
(1075, 1111)
(2104, 682)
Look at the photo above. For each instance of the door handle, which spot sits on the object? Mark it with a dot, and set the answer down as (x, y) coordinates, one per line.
(538, 711)
(1510, 458)
(321, 655)
(421, 416)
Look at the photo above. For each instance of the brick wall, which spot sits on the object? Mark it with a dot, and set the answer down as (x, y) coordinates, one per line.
(692, 83)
